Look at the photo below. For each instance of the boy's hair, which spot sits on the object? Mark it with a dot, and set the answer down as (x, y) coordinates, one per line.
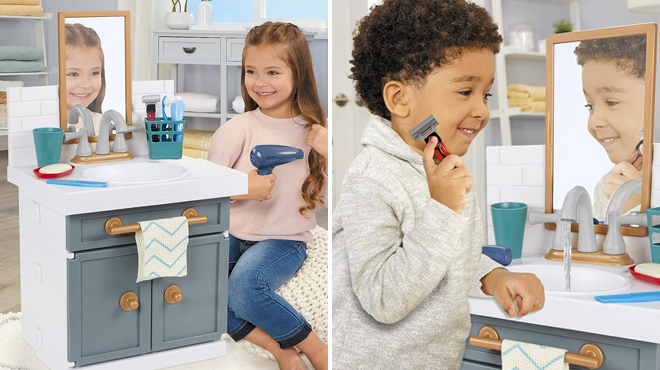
(628, 53)
(79, 35)
(405, 40)
(295, 52)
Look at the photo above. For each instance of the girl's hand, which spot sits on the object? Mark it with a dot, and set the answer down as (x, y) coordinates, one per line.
(317, 138)
(259, 187)
(450, 181)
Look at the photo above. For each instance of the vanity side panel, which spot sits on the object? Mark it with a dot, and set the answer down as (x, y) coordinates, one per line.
(43, 280)
(202, 313)
(619, 353)
(87, 231)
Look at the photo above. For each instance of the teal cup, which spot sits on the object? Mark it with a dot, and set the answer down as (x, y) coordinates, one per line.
(509, 224)
(48, 145)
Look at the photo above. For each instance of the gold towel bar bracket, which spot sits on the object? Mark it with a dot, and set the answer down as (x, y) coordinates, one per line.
(591, 356)
(114, 226)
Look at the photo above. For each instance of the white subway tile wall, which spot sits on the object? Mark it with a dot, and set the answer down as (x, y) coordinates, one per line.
(32, 107)
(517, 174)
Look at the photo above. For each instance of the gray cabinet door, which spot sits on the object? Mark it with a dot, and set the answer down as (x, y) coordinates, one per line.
(98, 328)
(201, 315)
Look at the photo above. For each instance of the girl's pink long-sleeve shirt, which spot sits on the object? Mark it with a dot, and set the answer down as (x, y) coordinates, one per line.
(278, 217)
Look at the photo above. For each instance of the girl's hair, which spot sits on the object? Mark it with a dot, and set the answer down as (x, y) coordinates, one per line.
(628, 53)
(295, 53)
(79, 35)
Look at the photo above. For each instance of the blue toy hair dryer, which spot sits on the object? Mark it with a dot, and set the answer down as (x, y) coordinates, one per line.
(266, 157)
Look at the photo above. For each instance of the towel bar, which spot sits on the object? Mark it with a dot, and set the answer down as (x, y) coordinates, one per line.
(591, 356)
(114, 226)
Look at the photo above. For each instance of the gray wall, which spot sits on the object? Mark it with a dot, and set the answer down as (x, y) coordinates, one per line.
(542, 14)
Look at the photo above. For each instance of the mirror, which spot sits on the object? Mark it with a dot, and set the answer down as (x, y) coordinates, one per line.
(94, 66)
(601, 88)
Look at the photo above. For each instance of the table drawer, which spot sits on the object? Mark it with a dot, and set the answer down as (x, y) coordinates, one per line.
(618, 353)
(87, 231)
(235, 49)
(189, 50)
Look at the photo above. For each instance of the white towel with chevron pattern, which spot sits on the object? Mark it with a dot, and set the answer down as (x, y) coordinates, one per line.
(162, 248)
(526, 356)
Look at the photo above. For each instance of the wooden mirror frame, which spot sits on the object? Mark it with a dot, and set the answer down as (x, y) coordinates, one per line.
(61, 19)
(650, 29)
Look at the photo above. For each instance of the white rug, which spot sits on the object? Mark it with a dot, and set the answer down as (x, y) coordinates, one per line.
(15, 354)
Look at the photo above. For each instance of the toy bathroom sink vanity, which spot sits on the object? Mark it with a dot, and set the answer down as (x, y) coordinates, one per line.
(81, 306)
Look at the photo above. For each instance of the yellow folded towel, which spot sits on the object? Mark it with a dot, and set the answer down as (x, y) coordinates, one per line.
(196, 153)
(22, 10)
(519, 91)
(197, 139)
(20, 2)
(532, 107)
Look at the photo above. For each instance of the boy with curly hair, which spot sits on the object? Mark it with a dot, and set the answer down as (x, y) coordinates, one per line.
(407, 233)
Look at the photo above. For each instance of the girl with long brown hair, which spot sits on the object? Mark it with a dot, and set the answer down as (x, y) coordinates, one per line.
(270, 225)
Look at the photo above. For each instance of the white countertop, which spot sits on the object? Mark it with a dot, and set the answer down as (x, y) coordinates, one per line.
(206, 180)
(636, 321)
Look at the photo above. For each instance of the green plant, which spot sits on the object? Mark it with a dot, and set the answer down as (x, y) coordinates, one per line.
(185, 6)
(563, 26)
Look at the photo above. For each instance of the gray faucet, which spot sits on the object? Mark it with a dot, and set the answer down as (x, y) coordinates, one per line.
(110, 120)
(576, 207)
(614, 218)
(79, 111)
(83, 149)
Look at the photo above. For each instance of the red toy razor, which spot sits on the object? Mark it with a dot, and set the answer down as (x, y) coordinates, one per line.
(424, 131)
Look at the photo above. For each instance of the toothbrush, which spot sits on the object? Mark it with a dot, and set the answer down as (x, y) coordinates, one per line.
(630, 297)
(166, 101)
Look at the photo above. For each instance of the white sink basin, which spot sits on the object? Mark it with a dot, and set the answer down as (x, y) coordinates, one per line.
(135, 173)
(584, 280)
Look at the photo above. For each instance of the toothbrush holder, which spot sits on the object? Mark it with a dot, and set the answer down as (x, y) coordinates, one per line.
(165, 138)
(654, 228)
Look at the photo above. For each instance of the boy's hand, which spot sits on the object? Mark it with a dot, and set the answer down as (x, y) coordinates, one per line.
(525, 289)
(621, 173)
(450, 181)
(259, 187)
(317, 138)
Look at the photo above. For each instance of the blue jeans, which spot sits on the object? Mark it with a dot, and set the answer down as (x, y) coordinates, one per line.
(256, 270)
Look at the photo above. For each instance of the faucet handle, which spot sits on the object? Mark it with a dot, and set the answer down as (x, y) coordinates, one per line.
(83, 149)
(131, 128)
(538, 218)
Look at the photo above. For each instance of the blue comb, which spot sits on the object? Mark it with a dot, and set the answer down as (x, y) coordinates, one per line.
(630, 297)
(91, 184)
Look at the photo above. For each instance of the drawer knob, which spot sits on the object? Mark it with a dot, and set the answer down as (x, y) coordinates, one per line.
(591, 356)
(129, 301)
(114, 225)
(173, 294)
(189, 50)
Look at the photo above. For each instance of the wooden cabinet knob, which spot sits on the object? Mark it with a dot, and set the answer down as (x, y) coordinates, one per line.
(173, 294)
(129, 301)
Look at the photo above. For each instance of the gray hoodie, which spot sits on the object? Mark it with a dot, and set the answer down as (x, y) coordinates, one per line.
(403, 264)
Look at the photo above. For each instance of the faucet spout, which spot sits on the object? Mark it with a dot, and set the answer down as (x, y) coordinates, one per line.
(577, 207)
(614, 243)
(79, 111)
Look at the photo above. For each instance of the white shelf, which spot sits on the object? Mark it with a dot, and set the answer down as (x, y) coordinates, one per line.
(4, 133)
(203, 115)
(232, 114)
(47, 71)
(237, 64)
(527, 55)
(44, 16)
(516, 113)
